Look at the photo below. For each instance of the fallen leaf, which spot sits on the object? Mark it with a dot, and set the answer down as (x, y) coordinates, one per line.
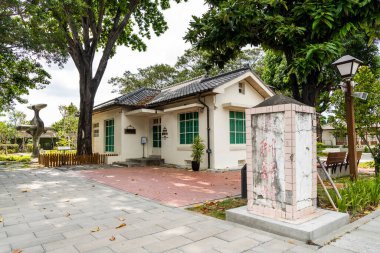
(1, 219)
(67, 214)
(121, 219)
(121, 225)
(112, 238)
(95, 229)
(25, 190)
(67, 200)
(17, 251)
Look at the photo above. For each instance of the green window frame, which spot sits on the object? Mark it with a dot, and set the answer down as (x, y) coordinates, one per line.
(237, 127)
(157, 136)
(109, 135)
(188, 127)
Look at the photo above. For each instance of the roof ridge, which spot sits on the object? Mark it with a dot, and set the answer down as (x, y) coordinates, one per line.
(226, 73)
(182, 82)
(134, 92)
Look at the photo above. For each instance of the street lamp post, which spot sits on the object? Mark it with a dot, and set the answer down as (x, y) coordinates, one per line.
(347, 67)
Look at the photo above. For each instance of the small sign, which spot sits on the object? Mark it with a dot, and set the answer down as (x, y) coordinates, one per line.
(130, 130)
(64, 148)
(164, 133)
(144, 140)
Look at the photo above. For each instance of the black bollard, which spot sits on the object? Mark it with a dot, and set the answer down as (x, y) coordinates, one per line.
(244, 181)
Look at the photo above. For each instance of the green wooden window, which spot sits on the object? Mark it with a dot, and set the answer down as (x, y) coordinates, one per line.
(157, 136)
(188, 127)
(237, 128)
(110, 135)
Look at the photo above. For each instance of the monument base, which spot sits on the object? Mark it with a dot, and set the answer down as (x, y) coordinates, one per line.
(320, 224)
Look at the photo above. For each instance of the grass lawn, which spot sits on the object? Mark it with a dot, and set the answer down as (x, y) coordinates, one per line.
(218, 209)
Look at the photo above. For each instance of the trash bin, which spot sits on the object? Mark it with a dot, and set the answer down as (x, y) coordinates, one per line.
(244, 182)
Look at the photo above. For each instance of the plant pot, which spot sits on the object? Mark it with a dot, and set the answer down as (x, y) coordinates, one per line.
(195, 165)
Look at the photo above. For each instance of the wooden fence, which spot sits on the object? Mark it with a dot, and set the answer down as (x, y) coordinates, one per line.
(57, 160)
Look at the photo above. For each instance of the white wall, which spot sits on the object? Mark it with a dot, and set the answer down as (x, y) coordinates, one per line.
(328, 137)
(171, 150)
(98, 142)
(227, 155)
(131, 146)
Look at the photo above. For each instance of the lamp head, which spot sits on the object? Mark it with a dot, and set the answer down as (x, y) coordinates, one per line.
(347, 65)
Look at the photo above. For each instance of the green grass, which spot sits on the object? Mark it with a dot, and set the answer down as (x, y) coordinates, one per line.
(15, 158)
(367, 165)
(218, 209)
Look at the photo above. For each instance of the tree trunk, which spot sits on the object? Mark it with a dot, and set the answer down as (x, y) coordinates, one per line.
(87, 96)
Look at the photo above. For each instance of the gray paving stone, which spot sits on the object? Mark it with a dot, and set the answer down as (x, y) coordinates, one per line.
(167, 234)
(5, 248)
(34, 249)
(17, 238)
(203, 233)
(123, 245)
(37, 241)
(67, 249)
(233, 234)
(239, 245)
(301, 249)
(134, 233)
(168, 244)
(206, 245)
(68, 242)
(273, 246)
(333, 249)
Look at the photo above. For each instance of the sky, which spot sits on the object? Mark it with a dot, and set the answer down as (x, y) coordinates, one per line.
(64, 86)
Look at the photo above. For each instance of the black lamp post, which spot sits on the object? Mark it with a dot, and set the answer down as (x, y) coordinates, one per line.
(347, 67)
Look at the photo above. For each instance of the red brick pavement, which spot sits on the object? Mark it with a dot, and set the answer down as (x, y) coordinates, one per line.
(174, 187)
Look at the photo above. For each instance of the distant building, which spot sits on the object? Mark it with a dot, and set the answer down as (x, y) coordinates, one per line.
(330, 138)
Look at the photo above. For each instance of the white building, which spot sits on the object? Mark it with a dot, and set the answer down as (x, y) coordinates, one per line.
(172, 117)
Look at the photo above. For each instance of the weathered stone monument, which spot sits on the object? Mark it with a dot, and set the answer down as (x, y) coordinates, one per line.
(36, 127)
(282, 172)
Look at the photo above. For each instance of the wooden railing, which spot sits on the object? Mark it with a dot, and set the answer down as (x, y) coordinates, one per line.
(57, 160)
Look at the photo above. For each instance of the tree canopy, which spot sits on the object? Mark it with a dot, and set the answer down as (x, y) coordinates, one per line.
(191, 64)
(82, 28)
(67, 126)
(310, 34)
(20, 70)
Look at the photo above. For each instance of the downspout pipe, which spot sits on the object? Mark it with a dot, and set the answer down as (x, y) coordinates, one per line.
(208, 151)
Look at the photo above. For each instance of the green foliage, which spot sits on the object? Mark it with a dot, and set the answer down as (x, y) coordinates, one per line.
(15, 158)
(190, 65)
(7, 132)
(308, 35)
(367, 112)
(359, 195)
(8, 148)
(198, 149)
(218, 209)
(367, 165)
(67, 126)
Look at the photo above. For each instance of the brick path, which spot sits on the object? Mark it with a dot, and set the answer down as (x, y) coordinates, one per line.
(54, 211)
(174, 187)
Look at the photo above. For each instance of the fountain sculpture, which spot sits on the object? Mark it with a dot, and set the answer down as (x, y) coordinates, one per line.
(36, 127)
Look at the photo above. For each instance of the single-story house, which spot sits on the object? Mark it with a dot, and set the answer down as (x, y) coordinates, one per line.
(169, 119)
(331, 138)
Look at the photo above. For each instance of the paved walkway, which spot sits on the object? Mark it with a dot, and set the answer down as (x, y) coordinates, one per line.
(174, 187)
(53, 211)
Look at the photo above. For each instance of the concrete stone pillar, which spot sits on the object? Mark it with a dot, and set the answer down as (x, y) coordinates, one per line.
(281, 159)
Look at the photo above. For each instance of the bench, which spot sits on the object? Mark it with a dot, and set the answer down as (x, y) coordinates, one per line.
(334, 160)
(358, 156)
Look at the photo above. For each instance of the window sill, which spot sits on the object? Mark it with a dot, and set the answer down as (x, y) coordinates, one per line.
(184, 147)
(236, 147)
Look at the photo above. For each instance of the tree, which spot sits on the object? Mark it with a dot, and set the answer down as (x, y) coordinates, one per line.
(19, 71)
(309, 34)
(67, 126)
(190, 65)
(7, 132)
(83, 27)
(367, 112)
(16, 118)
(156, 76)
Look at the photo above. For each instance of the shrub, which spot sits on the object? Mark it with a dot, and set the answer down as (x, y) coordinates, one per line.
(8, 148)
(367, 165)
(358, 196)
(366, 150)
(15, 158)
(198, 148)
(321, 145)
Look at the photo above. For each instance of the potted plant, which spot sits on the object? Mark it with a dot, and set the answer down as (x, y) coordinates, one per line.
(198, 149)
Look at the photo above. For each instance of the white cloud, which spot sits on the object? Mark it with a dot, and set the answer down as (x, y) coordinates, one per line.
(64, 87)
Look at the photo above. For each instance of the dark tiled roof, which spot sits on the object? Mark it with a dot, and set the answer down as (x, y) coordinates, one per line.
(148, 97)
(279, 100)
(139, 97)
(195, 86)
